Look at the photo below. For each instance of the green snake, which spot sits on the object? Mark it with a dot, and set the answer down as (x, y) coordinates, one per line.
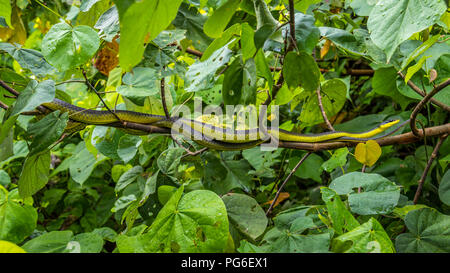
(205, 134)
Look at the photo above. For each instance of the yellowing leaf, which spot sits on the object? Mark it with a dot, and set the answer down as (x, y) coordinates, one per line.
(8, 247)
(283, 196)
(324, 50)
(368, 153)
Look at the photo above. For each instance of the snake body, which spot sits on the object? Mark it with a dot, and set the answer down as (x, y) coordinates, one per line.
(205, 134)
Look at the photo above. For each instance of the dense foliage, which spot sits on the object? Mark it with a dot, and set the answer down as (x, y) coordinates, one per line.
(103, 190)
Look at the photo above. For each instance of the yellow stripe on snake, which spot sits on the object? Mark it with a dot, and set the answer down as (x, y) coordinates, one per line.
(205, 134)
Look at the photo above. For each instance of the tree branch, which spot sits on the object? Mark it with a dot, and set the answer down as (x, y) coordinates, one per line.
(286, 180)
(419, 91)
(322, 110)
(422, 103)
(427, 168)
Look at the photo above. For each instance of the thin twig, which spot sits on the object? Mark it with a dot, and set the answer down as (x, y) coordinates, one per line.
(322, 110)
(88, 83)
(286, 180)
(427, 168)
(421, 92)
(424, 101)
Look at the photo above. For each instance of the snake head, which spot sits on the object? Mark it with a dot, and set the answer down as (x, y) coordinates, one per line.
(388, 123)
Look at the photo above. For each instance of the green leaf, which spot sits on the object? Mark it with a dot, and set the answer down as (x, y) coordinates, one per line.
(247, 41)
(262, 161)
(34, 95)
(201, 75)
(169, 160)
(429, 231)
(309, 168)
(17, 221)
(245, 214)
(108, 24)
(393, 21)
(293, 239)
(87, 4)
(34, 174)
(239, 83)
(363, 7)
(46, 131)
(218, 21)
(369, 237)
(227, 35)
(128, 147)
(221, 176)
(419, 50)
(51, 242)
(306, 33)
(139, 84)
(263, 68)
(384, 83)
(343, 39)
(29, 59)
(5, 11)
(413, 69)
(333, 99)
(4, 178)
(341, 218)
(128, 177)
(301, 70)
(138, 26)
(338, 159)
(195, 222)
(65, 47)
(444, 188)
(302, 5)
(82, 165)
(378, 195)
(89, 242)
(192, 21)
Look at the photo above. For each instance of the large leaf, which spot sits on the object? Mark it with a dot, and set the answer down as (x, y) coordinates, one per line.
(34, 95)
(245, 214)
(378, 195)
(444, 188)
(239, 83)
(51, 242)
(138, 25)
(306, 33)
(128, 146)
(34, 174)
(369, 237)
(17, 221)
(429, 231)
(108, 24)
(67, 47)
(5, 12)
(47, 131)
(221, 176)
(296, 237)
(300, 69)
(393, 21)
(218, 21)
(333, 94)
(201, 75)
(341, 218)
(29, 59)
(195, 222)
(139, 84)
